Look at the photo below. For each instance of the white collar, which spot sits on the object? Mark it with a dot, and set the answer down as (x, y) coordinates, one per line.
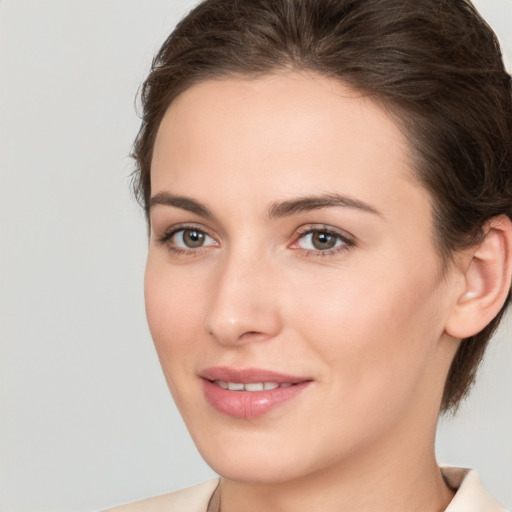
(471, 495)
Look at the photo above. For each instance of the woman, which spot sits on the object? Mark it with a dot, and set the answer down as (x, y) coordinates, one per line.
(328, 186)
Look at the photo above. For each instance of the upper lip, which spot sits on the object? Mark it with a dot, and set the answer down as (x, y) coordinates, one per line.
(248, 375)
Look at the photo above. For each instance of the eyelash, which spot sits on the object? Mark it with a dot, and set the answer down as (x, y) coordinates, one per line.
(347, 242)
(166, 238)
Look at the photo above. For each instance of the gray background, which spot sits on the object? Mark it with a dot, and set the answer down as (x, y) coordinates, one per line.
(85, 416)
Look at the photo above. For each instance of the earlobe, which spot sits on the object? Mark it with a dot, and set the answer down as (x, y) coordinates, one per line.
(487, 279)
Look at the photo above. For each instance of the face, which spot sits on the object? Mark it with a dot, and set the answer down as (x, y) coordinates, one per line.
(292, 262)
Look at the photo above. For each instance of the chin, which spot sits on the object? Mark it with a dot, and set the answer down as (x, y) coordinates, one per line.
(259, 470)
(261, 457)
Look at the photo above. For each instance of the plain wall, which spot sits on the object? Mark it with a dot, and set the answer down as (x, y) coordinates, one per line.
(85, 417)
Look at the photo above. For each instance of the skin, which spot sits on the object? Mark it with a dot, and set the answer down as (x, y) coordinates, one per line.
(367, 323)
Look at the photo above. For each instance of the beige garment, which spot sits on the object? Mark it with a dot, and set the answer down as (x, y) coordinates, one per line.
(192, 499)
(470, 497)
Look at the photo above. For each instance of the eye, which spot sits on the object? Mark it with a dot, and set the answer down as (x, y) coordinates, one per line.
(186, 239)
(191, 238)
(321, 241)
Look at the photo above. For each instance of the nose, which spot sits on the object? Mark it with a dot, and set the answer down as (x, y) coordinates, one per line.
(244, 306)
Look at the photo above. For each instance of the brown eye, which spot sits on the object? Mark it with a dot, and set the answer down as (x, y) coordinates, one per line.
(193, 238)
(189, 238)
(322, 240)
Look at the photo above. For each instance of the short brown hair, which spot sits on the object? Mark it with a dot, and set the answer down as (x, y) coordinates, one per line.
(434, 64)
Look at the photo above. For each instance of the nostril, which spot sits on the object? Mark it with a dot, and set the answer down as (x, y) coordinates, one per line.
(240, 321)
(251, 334)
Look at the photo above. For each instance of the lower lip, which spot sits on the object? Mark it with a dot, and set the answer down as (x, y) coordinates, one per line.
(249, 404)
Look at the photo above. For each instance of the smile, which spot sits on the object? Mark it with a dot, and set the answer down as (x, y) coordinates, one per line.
(249, 393)
(251, 386)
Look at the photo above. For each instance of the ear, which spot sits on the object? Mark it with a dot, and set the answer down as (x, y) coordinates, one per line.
(487, 277)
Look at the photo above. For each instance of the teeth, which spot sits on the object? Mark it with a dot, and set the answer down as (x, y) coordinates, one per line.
(254, 386)
(251, 386)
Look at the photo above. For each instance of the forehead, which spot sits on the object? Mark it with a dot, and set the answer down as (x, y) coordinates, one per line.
(282, 134)
(291, 100)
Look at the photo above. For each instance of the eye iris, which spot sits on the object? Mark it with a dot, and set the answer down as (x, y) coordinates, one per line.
(193, 238)
(322, 240)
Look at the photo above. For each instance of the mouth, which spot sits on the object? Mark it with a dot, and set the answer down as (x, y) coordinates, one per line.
(249, 393)
(251, 386)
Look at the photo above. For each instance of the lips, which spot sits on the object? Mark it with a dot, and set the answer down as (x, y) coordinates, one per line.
(249, 393)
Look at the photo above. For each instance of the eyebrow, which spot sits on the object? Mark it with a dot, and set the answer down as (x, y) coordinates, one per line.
(276, 210)
(184, 203)
(316, 202)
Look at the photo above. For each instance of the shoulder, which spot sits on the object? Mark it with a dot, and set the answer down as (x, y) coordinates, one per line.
(470, 495)
(192, 499)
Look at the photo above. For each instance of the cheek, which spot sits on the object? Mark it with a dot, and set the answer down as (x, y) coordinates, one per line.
(174, 314)
(377, 334)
